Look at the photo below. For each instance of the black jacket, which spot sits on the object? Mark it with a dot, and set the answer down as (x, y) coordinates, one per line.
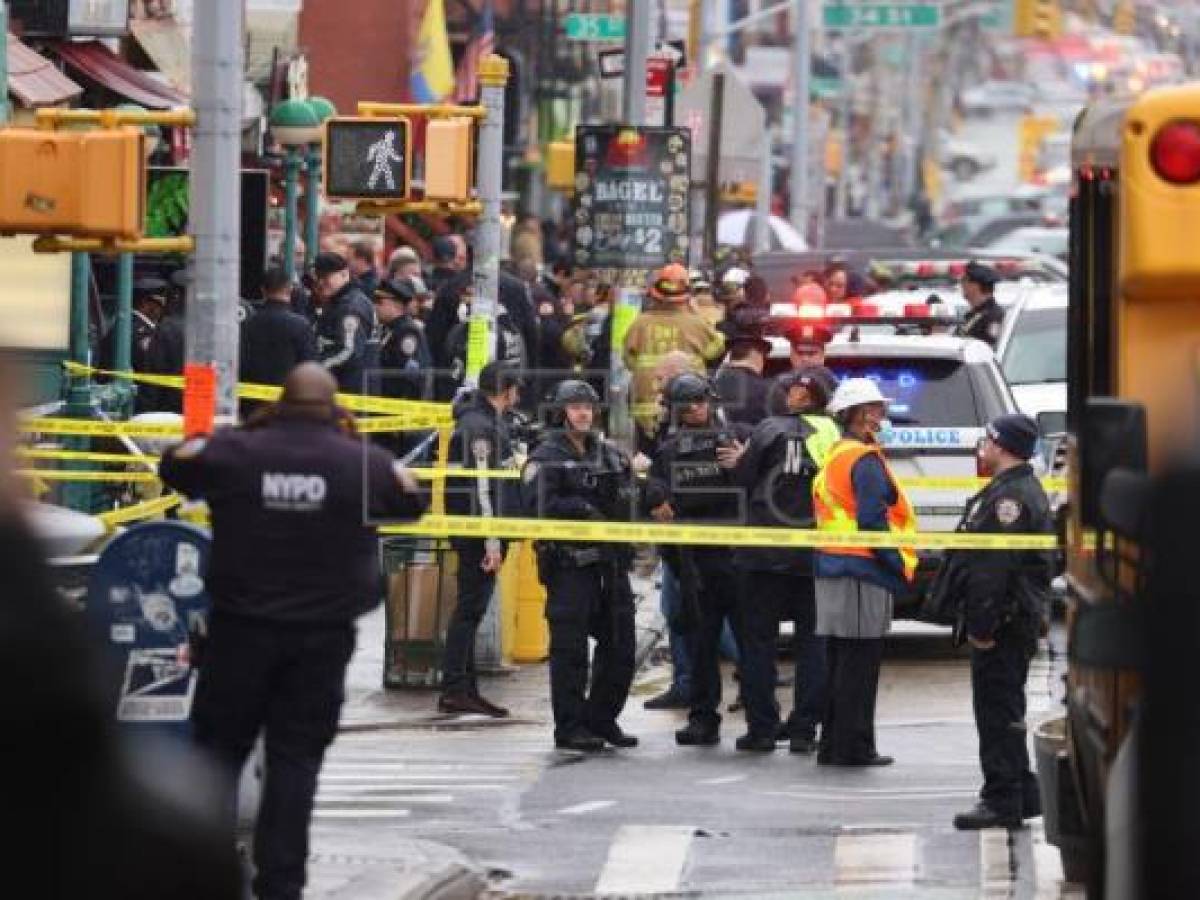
(481, 440)
(559, 482)
(405, 360)
(997, 587)
(166, 358)
(291, 514)
(685, 472)
(274, 341)
(778, 471)
(344, 337)
(743, 394)
(984, 323)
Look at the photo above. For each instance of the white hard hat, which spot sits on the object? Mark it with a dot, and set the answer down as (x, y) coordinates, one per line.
(735, 276)
(855, 392)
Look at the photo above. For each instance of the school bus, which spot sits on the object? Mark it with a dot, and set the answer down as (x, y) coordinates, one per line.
(1134, 339)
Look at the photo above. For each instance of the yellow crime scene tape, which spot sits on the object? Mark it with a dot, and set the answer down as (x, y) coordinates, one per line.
(426, 410)
(147, 509)
(84, 456)
(707, 535)
(86, 475)
(97, 428)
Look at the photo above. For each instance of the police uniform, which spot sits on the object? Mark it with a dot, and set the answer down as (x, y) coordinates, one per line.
(587, 584)
(1001, 595)
(986, 321)
(685, 473)
(780, 461)
(403, 351)
(741, 390)
(293, 564)
(481, 440)
(344, 330)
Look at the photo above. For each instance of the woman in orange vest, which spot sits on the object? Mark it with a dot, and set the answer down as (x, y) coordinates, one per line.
(855, 492)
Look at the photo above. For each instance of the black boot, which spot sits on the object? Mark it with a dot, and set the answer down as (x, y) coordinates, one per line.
(757, 743)
(672, 698)
(580, 739)
(983, 816)
(698, 735)
(612, 733)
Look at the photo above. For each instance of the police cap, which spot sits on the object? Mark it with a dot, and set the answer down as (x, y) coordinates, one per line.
(574, 391)
(397, 289)
(328, 262)
(820, 382)
(985, 276)
(150, 287)
(752, 337)
(809, 334)
(688, 387)
(498, 376)
(1015, 433)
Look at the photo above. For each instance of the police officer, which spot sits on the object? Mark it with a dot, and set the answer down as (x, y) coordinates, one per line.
(345, 323)
(275, 339)
(166, 356)
(777, 466)
(149, 306)
(481, 440)
(403, 353)
(1001, 596)
(808, 340)
(293, 565)
(739, 382)
(986, 318)
(576, 474)
(688, 483)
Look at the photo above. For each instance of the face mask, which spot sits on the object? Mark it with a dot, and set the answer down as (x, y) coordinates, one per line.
(464, 312)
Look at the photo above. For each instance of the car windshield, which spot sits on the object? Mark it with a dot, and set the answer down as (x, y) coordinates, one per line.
(928, 392)
(1037, 350)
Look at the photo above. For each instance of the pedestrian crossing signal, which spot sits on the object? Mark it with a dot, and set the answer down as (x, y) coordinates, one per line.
(367, 158)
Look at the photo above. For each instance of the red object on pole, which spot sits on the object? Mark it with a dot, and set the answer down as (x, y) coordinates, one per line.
(199, 398)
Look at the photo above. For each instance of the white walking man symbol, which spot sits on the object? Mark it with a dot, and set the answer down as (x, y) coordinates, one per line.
(382, 154)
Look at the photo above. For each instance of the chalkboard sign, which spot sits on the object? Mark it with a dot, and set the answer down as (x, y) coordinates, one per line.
(631, 196)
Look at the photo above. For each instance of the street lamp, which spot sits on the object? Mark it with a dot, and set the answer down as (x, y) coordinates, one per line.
(295, 125)
(323, 109)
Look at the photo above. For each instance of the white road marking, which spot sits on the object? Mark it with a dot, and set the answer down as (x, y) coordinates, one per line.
(645, 859)
(398, 778)
(996, 875)
(728, 779)
(889, 859)
(590, 806)
(846, 796)
(360, 813)
(383, 798)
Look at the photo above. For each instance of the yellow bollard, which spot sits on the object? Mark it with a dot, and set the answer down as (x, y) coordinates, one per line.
(524, 606)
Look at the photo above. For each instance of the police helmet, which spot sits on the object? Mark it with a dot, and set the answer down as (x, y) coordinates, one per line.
(575, 391)
(688, 387)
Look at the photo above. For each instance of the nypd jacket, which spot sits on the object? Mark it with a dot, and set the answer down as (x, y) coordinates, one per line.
(480, 440)
(995, 587)
(344, 335)
(292, 505)
(405, 360)
(984, 323)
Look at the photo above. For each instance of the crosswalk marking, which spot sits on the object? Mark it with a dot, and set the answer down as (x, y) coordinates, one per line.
(875, 858)
(645, 859)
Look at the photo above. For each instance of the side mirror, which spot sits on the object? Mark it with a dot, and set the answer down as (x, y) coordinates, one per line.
(1113, 435)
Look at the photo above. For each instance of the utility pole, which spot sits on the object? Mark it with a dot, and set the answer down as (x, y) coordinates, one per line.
(843, 180)
(637, 46)
(212, 327)
(712, 196)
(481, 341)
(801, 68)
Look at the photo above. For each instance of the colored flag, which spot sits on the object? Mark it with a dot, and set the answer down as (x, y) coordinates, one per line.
(482, 44)
(432, 77)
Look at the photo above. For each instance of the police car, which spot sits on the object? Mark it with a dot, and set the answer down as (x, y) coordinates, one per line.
(943, 392)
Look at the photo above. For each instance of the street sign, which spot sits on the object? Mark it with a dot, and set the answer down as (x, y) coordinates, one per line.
(841, 16)
(631, 196)
(367, 159)
(594, 27)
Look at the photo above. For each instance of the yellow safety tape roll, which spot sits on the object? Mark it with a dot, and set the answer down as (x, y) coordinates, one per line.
(92, 475)
(707, 535)
(249, 391)
(138, 511)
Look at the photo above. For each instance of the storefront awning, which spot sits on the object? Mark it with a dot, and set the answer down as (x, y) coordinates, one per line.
(34, 80)
(101, 65)
(166, 44)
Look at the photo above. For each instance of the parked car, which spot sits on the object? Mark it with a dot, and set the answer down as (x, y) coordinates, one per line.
(1054, 242)
(996, 96)
(964, 158)
(1033, 352)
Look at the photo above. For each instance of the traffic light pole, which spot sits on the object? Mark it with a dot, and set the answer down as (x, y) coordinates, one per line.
(312, 204)
(481, 343)
(212, 329)
(291, 210)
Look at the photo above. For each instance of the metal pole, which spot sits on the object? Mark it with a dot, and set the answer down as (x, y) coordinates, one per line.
(637, 45)
(291, 209)
(123, 327)
(312, 204)
(212, 328)
(762, 200)
(713, 168)
(3, 62)
(493, 75)
(875, 134)
(843, 181)
(801, 68)
(78, 495)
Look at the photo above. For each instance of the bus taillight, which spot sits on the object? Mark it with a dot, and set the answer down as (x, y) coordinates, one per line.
(1175, 152)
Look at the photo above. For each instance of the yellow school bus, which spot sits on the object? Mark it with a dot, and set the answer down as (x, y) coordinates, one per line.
(1134, 336)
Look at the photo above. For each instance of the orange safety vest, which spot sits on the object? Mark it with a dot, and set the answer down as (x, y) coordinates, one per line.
(837, 511)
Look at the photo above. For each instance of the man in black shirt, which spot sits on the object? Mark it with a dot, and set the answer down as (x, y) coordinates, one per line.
(294, 562)
(739, 382)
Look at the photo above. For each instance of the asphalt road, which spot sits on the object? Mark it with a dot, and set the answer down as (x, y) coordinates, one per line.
(665, 820)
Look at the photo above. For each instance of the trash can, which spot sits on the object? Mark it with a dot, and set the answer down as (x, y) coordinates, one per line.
(420, 581)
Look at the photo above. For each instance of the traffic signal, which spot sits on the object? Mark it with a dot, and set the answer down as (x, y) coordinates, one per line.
(448, 159)
(80, 183)
(1038, 19)
(367, 158)
(560, 165)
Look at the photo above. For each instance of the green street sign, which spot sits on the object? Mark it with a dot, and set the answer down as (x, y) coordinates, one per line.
(882, 15)
(594, 27)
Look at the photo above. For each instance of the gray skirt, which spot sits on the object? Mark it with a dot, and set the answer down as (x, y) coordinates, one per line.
(852, 608)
